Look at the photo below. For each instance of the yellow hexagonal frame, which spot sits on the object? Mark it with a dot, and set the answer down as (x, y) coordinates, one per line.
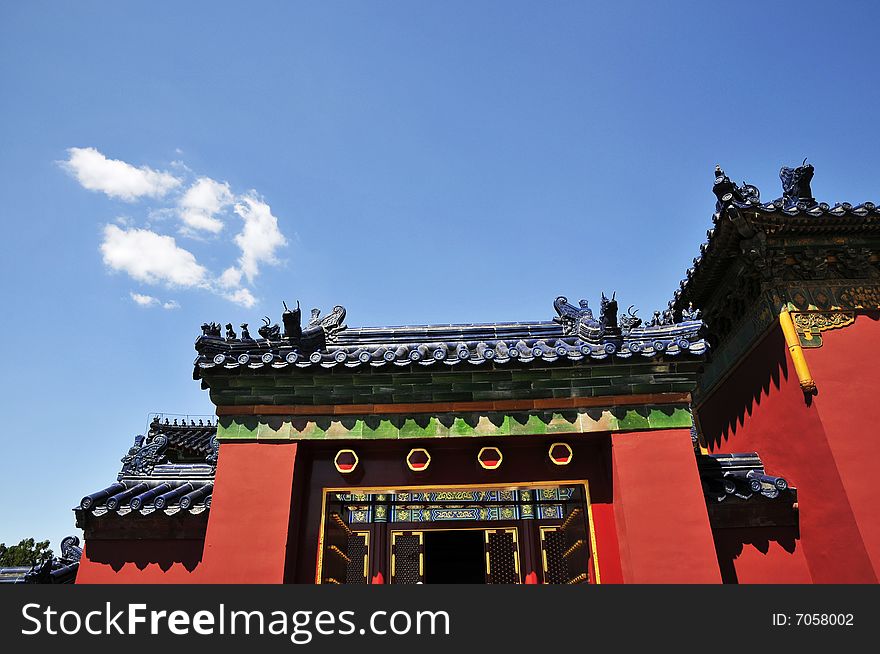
(483, 465)
(560, 444)
(345, 471)
(413, 451)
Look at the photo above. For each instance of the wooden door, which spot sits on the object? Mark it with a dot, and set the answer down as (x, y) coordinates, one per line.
(407, 557)
(502, 556)
(346, 553)
(565, 550)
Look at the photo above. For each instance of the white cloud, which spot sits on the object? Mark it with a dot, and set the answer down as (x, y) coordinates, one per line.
(230, 282)
(117, 179)
(241, 297)
(260, 237)
(143, 300)
(149, 301)
(141, 247)
(202, 202)
(231, 278)
(151, 258)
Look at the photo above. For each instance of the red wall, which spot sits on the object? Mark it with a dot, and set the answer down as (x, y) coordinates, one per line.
(847, 372)
(660, 511)
(761, 408)
(764, 555)
(610, 570)
(246, 540)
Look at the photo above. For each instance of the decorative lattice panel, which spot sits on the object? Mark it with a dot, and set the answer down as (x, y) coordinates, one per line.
(574, 530)
(555, 565)
(359, 553)
(407, 552)
(503, 557)
(335, 561)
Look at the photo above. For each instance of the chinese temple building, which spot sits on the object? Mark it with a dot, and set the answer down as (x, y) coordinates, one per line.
(719, 440)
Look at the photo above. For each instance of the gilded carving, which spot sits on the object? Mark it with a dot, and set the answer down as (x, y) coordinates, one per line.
(810, 325)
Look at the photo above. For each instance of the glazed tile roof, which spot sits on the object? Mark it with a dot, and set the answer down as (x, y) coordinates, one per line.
(193, 438)
(57, 570)
(168, 471)
(573, 336)
(145, 497)
(741, 216)
(14, 575)
(742, 476)
(740, 494)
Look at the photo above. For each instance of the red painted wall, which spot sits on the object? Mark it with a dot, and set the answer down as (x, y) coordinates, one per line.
(760, 408)
(763, 555)
(610, 571)
(847, 372)
(246, 539)
(661, 517)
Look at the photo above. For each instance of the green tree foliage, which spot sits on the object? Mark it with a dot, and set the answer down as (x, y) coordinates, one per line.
(26, 553)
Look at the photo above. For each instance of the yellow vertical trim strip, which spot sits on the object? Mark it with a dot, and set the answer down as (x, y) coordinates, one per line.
(319, 573)
(393, 554)
(797, 352)
(366, 535)
(421, 554)
(595, 552)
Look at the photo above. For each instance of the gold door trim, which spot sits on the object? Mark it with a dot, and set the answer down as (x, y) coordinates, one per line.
(421, 535)
(509, 530)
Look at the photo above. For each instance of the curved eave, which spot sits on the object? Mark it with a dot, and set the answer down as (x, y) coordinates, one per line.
(670, 342)
(722, 242)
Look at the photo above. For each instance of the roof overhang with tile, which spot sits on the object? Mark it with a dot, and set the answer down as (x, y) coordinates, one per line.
(165, 486)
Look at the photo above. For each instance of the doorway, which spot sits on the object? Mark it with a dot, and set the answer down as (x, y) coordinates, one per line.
(473, 534)
(455, 557)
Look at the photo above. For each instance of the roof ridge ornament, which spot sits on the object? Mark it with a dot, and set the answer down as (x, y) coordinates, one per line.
(317, 334)
(269, 331)
(211, 329)
(143, 456)
(292, 320)
(690, 313)
(214, 452)
(728, 192)
(580, 322)
(571, 317)
(70, 549)
(796, 191)
(608, 315)
(630, 320)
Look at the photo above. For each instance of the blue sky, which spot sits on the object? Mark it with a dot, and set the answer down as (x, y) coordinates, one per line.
(415, 162)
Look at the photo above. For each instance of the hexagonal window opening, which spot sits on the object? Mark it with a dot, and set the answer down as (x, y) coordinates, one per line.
(561, 454)
(418, 459)
(490, 458)
(346, 461)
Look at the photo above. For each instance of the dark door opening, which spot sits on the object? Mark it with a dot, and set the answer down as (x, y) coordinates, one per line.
(455, 557)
